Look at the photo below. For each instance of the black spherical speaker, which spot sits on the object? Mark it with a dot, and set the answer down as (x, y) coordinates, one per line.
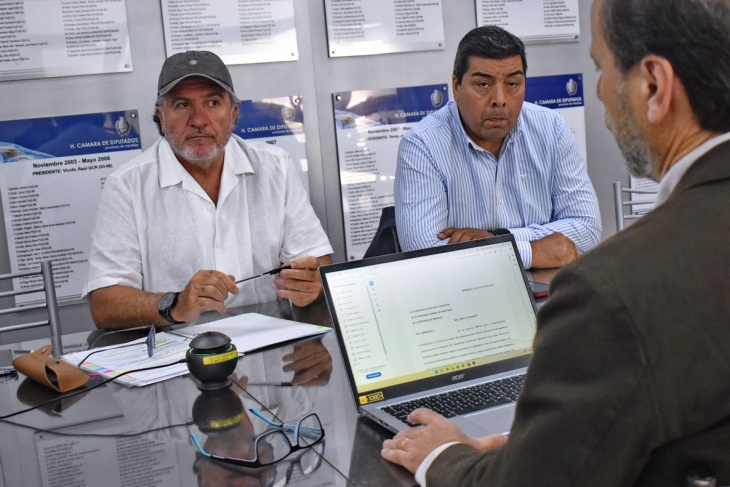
(211, 359)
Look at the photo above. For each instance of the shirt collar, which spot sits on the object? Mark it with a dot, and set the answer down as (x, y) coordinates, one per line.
(170, 169)
(675, 173)
(237, 156)
(468, 140)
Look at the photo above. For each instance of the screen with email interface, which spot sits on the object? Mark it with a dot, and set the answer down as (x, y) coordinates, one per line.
(416, 318)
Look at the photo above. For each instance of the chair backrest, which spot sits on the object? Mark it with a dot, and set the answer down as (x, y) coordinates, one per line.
(385, 240)
(50, 303)
(628, 207)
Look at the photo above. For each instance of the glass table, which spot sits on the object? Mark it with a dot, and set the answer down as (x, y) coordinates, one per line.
(140, 436)
(117, 436)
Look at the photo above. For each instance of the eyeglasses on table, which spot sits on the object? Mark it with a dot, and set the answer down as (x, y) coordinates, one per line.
(309, 461)
(274, 445)
(277, 475)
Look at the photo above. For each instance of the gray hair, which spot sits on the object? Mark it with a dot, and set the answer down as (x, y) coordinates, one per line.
(693, 35)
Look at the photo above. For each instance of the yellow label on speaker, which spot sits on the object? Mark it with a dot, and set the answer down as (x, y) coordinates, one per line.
(225, 423)
(374, 397)
(216, 359)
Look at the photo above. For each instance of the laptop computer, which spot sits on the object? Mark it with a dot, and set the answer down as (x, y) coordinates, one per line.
(455, 321)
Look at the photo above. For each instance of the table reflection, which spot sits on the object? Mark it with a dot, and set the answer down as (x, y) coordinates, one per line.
(226, 428)
(115, 435)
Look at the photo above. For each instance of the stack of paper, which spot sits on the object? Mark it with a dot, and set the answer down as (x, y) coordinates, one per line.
(117, 359)
(248, 332)
(253, 331)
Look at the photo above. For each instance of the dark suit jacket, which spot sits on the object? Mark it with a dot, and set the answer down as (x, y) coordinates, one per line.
(630, 379)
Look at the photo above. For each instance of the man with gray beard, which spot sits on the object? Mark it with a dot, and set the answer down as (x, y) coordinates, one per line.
(628, 382)
(200, 209)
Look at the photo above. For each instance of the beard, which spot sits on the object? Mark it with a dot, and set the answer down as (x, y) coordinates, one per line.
(633, 147)
(193, 154)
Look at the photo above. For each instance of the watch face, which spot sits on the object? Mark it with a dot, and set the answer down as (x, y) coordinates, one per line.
(166, 301)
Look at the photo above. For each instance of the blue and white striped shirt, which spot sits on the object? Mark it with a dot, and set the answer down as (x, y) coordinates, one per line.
(539, 184)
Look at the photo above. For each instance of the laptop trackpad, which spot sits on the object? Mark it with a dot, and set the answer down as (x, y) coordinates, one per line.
(487, 422)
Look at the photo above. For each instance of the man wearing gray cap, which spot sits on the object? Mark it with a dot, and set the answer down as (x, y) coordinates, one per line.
(200, 209)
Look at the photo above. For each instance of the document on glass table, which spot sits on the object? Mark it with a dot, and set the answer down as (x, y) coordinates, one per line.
(248, 332)
(114, 360)
(253, 331)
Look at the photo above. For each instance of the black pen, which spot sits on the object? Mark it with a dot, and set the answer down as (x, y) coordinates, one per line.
(267, 273)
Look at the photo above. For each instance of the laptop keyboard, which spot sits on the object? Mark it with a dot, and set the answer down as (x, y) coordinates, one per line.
(463, 401)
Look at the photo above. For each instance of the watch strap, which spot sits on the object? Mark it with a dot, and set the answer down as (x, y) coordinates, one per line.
(165, 312)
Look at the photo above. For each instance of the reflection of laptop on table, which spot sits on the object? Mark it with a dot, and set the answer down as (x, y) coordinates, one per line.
(367, 467)
(449, 328)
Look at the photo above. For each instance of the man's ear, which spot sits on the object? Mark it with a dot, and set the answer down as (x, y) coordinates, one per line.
(158, 114)
(658, 82)
(454, 85)
(234, 116)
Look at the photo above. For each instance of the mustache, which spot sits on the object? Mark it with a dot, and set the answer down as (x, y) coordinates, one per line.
(199, 133)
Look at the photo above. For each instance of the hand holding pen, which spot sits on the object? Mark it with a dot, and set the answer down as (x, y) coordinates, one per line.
(298, 280)
(207, 291)
(300, 283)
(267, 273)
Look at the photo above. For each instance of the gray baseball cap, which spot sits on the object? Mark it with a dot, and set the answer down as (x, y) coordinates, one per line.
(185, 65)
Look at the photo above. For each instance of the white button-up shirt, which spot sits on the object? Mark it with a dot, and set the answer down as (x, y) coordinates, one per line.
(156, 227)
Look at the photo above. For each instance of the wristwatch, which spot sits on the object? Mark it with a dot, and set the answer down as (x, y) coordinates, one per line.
(501, 231)
(165, 305)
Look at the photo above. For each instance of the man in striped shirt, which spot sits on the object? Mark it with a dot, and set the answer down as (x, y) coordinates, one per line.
(489, 163)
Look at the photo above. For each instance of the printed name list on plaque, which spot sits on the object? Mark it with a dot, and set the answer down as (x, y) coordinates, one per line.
(370, 125)
(47, 38)
(239, 32)
(279, 122)
(533, 21)
(52, 171)
(364, 27)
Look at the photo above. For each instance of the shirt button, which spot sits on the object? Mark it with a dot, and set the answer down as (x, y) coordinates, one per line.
(217, 245)
(211, 207)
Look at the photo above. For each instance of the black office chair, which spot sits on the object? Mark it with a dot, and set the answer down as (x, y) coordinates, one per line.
(385, 240)
(49, 303)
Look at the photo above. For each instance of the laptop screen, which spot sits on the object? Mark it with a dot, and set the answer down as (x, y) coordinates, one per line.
(431, 312)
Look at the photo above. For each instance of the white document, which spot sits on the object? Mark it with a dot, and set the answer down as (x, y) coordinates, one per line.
(252, 331)
(370, 125)
(359, 27)
(52, 171)
(239, 31)
(114, 360)
(533, 21)
(247, 332)
(45, 38)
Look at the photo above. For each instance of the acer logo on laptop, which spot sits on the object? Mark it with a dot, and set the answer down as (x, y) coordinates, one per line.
(457, 376)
